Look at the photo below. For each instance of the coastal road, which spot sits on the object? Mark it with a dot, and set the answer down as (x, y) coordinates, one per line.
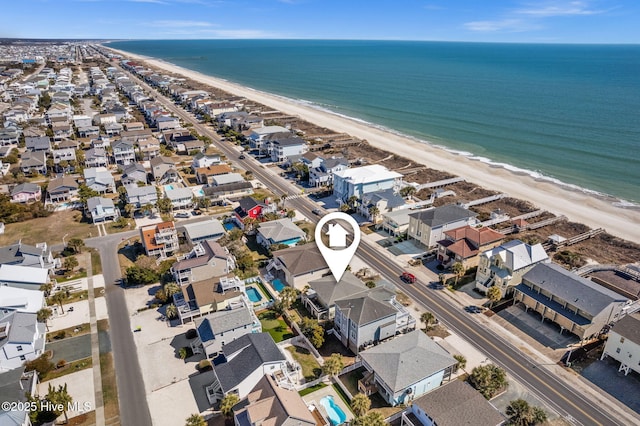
(132, 399)
(569, 402)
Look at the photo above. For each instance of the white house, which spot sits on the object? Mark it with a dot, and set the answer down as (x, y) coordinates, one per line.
(22, 338)
(281, 231)
(21, 299)
(259, 134)
(623, 343)
(282, 149)
(23, 276)
(363, 180)
(99, 179)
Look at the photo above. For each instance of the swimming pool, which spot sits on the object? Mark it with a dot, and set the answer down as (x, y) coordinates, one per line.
(168, 187)
(253, 294)
(277, 285)
(229, 226)
(335, 413)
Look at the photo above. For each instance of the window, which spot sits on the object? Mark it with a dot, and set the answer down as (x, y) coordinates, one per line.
(23, 358)
(19, 348)
(618, 350)
(622, 340)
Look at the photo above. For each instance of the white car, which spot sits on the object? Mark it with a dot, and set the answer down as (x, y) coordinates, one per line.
(182, 215)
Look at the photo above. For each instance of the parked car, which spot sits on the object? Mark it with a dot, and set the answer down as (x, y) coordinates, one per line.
(182, 215)
(196, 212)
(316, 211)
(242, 157)
(407, 277)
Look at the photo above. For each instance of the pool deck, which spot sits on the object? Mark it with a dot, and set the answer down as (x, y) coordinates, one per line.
(315, 397)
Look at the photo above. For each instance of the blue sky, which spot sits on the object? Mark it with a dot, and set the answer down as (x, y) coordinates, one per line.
(586, 21)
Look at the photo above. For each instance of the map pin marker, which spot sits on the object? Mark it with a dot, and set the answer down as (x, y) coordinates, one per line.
(337, 254)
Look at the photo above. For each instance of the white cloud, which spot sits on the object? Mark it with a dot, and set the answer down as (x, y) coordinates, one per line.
(180, 24)
(506, 25)
(547, 10)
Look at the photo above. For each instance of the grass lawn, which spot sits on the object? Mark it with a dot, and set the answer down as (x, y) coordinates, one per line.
(332, 346)
(69, 332)
(308, 227)
(109, 389)
(85, 419)
(312, 389)
(96, 263)
(75, 276)
(350, 380)
(310, 368)
(273, 324)
(67, 222)
(73, 297)
(69, 368)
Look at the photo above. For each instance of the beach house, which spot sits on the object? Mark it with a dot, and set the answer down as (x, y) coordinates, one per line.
(62, 189)
(428, 226)
(322, 175)
(281, 231)
(207, 259)
(363, 180)
(465, 243)
(22, 338)
(297, 266)
(623, 343)
(26, 193)
(160, 239)
(504, 266)
(140, 196)
(101, 209)
(99, 179)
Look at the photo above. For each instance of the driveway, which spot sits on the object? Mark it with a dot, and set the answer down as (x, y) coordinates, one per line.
(75, 348)
(626, 389)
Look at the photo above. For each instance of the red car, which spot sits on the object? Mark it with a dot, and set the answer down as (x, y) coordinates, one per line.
(408, 277)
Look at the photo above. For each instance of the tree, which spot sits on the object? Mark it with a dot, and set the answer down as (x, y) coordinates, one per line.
(370, 284)
(407, 191)
(494, 294)
(288, 296)
(352, 201)
(372, 418)
(227, 403)
(291, 213)
(462, 361)
(136, 275)
(61, 397)
(195, 420)
(312, 331)
(147, 208)
(129, 209)
(70, 263)
(204, 203)
(333, 365)
(171, 312)
(360, 404)
(522, 414)
(41, 365)
(43, 315)
(458, 269)
(161, 295)
(84, 193)
(428, 319)
(488, 380)
(77, 244)
(245, 261)
(59, 298)
(374, 212)
(46, 288)
(171, 289)
(164, 205)
(249, 222)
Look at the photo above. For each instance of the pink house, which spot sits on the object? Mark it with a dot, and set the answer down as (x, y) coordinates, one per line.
(26, 193)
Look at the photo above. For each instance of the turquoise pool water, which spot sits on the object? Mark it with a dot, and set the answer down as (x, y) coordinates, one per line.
(253, 294)
(277, 285)
(335, 413)
(229, 226)
(169, 187)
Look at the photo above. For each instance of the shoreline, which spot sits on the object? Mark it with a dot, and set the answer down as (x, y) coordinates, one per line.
(578, 204)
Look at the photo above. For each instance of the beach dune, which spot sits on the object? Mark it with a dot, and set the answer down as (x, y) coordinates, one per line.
(578, 206)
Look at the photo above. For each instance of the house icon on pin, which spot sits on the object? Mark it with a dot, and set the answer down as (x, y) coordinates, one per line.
(337, 235)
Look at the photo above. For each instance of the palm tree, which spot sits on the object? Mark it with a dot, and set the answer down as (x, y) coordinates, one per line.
(60, 397)
(372, 418)
(249, 222)
(428, 319)
(522, 414)
(46, 288)
(195, 420)
(129, 209)
(171, 288)
(360, 404)
(283, 198)
(374, 212)
(291, 214)
(407, 191)
(352, 201)
(488, 380)
(227, 403)
(77, 244)
(43, 315)
(458, 269)
(171, 311)
(59, 298)
(462, 361)
(494, 294)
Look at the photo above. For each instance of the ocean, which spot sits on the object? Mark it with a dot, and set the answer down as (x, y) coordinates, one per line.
(567, 113)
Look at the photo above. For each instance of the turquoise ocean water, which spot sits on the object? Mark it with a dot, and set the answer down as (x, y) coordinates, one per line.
(570, 113)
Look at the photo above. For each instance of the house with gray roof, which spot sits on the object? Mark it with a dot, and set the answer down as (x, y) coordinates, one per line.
(384, 201)
(405, 368)
(123, 152)
(452, 404)
(248, 359)
(574, 303)
(208, 229)
(22, 338)
(62, 189)
(218, 328)
(32, 163)
(26, 193)
(99, 179)
(39, 256)
(134, 173)
(281, 231)
(96, 157)
(101, 209)
(370, 317)
(181, 198)
(269, 404)
(164, 170)
(207, 259)
(320, 299)
(504, 266)
(623, 343)
(14, 386)
(281, 149)
(141, 195)
(428, 226)
(228, 191)
(38, 143)
(297, 266)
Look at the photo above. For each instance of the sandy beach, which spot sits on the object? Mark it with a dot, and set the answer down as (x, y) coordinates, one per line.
(576, 205)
